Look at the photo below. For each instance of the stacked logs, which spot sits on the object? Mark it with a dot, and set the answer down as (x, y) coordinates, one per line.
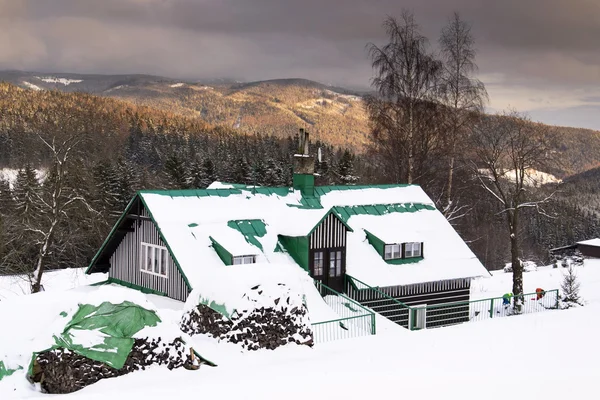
(62, 371)
(286, 321)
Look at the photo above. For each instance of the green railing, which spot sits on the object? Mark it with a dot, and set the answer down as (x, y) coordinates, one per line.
(445, 314)
(378, 301)
(355, 320)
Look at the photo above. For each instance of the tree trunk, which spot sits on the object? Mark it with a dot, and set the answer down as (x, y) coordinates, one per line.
(517, 266)
(409, 178)
(450, 176)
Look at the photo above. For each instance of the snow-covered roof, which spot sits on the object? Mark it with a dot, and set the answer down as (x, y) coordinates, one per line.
(591, 242)
(394, 213)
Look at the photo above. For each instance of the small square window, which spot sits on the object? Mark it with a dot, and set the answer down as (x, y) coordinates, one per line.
(412, 250)
(239, 260)
(392, 252)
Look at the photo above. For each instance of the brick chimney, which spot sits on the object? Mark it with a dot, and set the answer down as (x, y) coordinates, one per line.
(304, 167)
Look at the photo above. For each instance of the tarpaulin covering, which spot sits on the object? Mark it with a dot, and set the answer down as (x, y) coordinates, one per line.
(4, 372)
(105, 333)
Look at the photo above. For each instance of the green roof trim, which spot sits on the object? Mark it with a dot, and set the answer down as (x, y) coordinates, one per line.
(222, 252)
(345, 212)
(402, 261)
(251, 229)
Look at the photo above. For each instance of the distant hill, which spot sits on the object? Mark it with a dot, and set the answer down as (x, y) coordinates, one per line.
(277, 107)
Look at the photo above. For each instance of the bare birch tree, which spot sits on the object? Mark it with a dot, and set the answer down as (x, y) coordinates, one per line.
(405, 80)
(462, 94)
(64, 138)
(507, 149)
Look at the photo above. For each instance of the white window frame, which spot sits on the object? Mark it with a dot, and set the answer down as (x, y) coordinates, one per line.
(394, 254)
(243, 259)
(144, 259)
(410, 249)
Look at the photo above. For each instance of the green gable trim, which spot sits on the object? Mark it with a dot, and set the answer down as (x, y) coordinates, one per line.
(222, 252)
(136, 287)
(251, 229)
(377, 243)
(331, 211)
(297, 247)
(110, 235)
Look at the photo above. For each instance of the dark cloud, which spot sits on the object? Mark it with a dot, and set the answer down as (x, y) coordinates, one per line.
(533, 54)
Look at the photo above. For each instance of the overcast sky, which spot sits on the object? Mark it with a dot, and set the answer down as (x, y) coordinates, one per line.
(538, 56)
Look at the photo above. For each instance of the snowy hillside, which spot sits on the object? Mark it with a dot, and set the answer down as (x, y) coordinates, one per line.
(469, 361)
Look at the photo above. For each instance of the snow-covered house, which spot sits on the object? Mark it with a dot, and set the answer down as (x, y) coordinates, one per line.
(350, 238)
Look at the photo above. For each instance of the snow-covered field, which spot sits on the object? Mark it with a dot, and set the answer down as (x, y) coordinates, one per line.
(549, 355)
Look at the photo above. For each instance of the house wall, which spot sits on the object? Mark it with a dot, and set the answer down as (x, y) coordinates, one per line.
(331, 233)
(431, 293)
(589, 251)
(297, 247)
(125, 263)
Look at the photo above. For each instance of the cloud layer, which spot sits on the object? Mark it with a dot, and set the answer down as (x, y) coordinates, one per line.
(535, 55)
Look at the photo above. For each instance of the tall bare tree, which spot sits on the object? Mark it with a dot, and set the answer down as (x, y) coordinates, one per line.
(462, 94)
(507, 149)
(64, 138)
(405, 80)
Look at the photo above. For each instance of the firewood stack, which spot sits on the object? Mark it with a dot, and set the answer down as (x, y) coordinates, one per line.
(285, 321)
(63, 371)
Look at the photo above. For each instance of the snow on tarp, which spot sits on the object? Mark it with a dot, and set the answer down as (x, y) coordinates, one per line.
(105, 332)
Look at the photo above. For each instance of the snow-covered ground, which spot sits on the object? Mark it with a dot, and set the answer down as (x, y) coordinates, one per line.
(63, 81)
(549, 355)
(30, 85)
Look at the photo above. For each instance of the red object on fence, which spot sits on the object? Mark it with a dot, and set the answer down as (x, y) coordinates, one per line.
(540, 293)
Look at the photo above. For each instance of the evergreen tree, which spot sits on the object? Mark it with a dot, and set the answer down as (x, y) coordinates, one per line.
(570, 288)
(26, 191)
(7, 202)
(209, 173)
(345, 169)
(176, 172)
(242, 172)
(273, 174)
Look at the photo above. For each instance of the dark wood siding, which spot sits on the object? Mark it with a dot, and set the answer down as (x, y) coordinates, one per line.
(589, 251)
(431, 293)
(125, 262)
(331, 233)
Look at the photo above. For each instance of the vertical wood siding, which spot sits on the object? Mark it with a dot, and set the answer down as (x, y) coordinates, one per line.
(430, 293)
(125, 263)
(331, 233)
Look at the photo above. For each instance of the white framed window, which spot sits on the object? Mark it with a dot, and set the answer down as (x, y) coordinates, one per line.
(244, 260)
(154, 259)
(392, 252)
(412, 250)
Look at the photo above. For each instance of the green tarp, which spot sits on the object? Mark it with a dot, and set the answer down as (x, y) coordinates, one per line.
(104, 333)
(4, 372)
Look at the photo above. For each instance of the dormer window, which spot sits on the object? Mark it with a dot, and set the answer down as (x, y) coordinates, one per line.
(412, 250)
(405, 250)
(392, 251)
(244, 260)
